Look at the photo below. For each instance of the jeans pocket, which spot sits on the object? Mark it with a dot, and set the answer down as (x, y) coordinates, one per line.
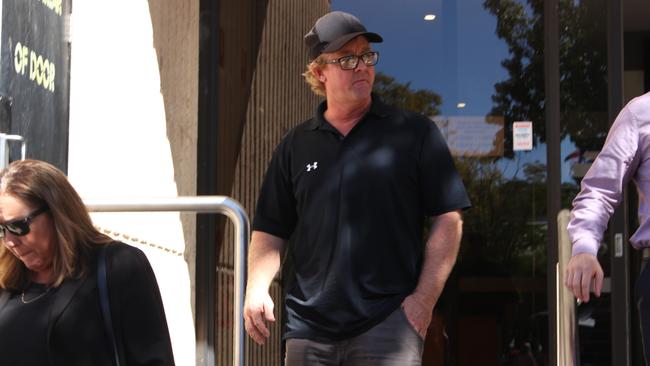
(408, 323)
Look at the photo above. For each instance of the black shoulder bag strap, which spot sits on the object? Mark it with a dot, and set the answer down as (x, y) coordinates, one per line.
(103, 300)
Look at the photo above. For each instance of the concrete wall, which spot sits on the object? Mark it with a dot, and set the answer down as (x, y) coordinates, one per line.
(133, 116)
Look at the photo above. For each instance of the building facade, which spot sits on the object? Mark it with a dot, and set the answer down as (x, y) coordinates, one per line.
(142, 99)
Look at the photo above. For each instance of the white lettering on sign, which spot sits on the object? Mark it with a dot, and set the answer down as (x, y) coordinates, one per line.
(54, 5)
(21, 58)
(41, 70)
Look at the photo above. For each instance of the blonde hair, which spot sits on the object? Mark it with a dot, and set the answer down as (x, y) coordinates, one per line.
(40, 184)
(317, 86)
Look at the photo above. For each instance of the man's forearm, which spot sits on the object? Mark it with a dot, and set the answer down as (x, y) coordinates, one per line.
(440, 255)
(263, 263)
(263, 260)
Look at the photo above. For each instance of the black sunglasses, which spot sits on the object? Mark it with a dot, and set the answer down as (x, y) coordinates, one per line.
(20, 227)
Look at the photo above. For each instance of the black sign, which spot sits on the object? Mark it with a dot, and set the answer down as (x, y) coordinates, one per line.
(34, 77)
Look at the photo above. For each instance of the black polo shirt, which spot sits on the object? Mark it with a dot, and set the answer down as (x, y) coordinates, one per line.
(353, 210)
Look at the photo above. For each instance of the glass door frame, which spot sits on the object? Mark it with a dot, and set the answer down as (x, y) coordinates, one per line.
(619, 224)
(552, 116)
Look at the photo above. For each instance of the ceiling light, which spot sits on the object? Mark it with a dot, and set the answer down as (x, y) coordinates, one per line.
(429, 17)
(461, 105)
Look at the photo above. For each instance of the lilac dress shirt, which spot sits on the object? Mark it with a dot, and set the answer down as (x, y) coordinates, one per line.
(623, 157)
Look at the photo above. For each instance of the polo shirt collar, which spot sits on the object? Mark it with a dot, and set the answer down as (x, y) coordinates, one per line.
(377, 109)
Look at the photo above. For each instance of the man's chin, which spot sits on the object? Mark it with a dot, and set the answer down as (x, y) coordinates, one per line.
(362, 91)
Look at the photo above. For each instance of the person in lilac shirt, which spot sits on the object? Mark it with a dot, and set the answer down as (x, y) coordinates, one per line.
(624, 157)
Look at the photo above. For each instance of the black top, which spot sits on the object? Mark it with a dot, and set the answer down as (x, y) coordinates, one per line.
(23, 327)
(71, 332)
(353, 208)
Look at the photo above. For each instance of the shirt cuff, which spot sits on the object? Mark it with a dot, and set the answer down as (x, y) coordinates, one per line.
(585, 245)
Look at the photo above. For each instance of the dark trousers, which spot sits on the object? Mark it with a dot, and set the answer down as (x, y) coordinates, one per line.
(393, 342)
(643, 306)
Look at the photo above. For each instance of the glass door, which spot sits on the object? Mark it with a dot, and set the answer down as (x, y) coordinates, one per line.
(476, 67)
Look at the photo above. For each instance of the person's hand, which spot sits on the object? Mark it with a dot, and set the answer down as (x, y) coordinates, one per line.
(417, 313)
(258, 310)
(581, 270)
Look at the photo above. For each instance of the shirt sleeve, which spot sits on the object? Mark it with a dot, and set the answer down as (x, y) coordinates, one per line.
(276, 212)
(442, 188)
(602, 187)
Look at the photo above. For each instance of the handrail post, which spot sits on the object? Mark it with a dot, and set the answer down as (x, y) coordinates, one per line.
(4, 148)
(566, 337)
(201, 204)
(242, 230)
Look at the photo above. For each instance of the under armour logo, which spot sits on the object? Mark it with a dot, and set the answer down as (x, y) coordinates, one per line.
(313, 166)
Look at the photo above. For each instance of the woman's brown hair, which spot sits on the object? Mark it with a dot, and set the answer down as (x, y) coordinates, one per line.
(40, 184)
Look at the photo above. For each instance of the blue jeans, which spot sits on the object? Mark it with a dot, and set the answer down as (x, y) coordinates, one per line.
(393, 342)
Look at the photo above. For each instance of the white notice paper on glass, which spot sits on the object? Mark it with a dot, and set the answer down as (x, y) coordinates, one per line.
(522, 136)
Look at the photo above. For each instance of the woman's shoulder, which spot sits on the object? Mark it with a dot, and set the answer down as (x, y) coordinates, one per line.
(125, 257)
(120, 248)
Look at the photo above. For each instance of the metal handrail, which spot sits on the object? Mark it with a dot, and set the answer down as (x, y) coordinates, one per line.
(201, 204)
(4, 148)
(566, 336)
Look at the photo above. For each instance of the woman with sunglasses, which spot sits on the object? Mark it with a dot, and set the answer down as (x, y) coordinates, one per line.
(50, 310)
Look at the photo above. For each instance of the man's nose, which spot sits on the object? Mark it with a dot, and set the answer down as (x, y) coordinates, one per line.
(361, 65)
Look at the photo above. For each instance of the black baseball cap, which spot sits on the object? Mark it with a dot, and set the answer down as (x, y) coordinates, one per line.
(333, 30)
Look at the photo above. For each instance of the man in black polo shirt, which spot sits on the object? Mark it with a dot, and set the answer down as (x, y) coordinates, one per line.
(347, 193)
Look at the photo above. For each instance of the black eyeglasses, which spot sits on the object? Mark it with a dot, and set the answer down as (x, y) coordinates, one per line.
(352, 61)
(20, 227)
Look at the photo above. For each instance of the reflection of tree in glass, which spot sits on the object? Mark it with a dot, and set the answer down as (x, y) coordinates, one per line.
(505, 229)
(583, 71)
(401, 95)
(504, 234)
(501, 236)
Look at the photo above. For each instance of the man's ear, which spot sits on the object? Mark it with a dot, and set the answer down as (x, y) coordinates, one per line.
(319, 75)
